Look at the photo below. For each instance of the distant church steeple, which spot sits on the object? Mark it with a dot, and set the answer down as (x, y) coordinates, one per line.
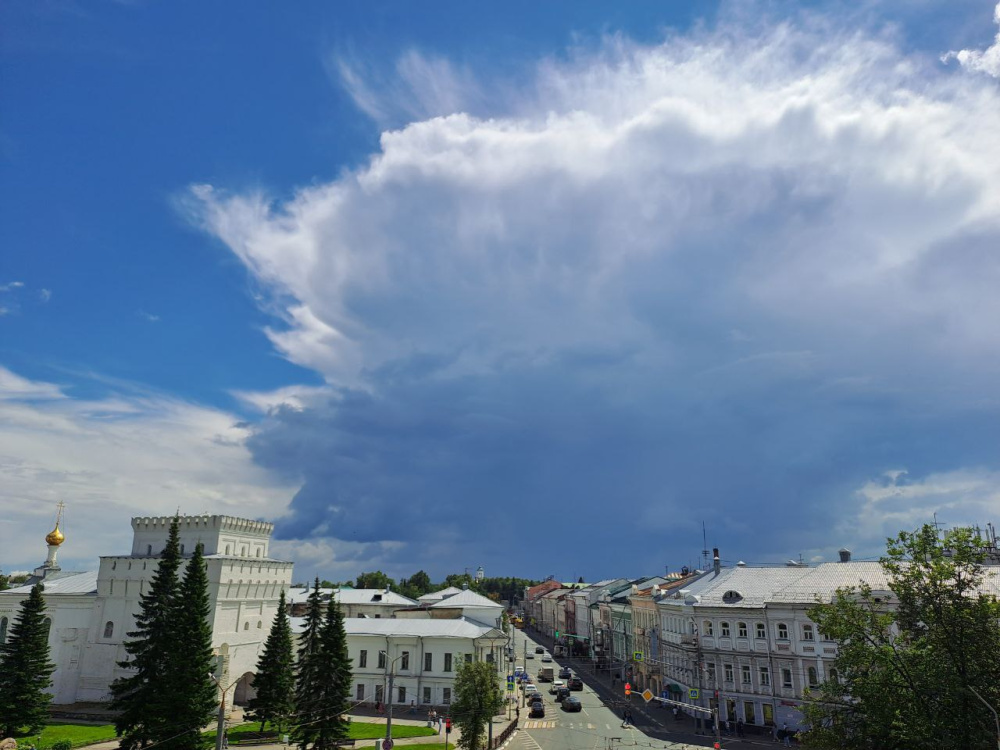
(53, 539)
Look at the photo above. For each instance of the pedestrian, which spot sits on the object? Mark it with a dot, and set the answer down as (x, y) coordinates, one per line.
(725, 726)
(413, 707)
(739, 727)
(677, 714)
(378, 707)
(786, 735)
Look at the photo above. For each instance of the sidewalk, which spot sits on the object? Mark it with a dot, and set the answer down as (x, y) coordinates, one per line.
(655, 721)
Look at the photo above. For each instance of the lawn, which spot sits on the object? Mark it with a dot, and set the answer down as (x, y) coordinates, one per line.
(78, 734)
(360, 730)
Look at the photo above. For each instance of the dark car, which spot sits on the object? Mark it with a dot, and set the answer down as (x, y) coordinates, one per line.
(574, 683)
(539, 649)
(565, 673)
(537, 710)
(561, 694)
(571, 703)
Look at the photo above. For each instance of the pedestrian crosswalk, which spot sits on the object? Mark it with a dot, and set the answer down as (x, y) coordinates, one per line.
(551, 724)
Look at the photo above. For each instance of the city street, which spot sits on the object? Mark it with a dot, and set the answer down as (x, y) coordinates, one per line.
(597, 725)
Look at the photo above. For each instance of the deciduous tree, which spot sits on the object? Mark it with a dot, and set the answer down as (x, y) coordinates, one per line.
(911, 660)
(478, 698)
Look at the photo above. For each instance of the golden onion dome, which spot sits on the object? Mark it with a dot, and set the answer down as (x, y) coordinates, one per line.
(55, 537)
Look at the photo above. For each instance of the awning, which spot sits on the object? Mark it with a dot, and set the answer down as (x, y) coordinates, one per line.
(673, 687)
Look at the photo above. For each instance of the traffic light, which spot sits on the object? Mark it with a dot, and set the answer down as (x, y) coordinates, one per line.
(447, 724)
(557, 634)
(628, 689)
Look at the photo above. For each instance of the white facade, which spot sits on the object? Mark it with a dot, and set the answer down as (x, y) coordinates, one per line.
(92, 612)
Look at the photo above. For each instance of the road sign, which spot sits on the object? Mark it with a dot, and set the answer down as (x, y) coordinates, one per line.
(693, 693)
(647, 695)
(387, 744)
(637, 656)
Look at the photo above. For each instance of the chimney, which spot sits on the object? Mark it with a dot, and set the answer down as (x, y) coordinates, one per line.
(465, 587)
(845, 554)
(716, 562)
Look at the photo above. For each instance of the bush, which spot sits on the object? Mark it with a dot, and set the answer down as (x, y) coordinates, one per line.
(63, 745)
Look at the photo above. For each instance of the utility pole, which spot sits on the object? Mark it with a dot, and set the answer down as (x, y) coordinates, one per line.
(993, 710)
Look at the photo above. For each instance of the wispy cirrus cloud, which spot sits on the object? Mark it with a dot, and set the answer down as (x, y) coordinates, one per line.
(735, 275)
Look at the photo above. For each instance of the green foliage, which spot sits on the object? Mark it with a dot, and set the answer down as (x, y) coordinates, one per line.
(192, 660)
(416, 585)
(336, 690)
(275, 680)
(376, 580)
(478, 698)
(25, 670)
(75, 734)
(310, 674)
(909, 660)
(62, 745)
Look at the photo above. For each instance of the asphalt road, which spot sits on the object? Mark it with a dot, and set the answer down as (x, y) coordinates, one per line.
(596, 727)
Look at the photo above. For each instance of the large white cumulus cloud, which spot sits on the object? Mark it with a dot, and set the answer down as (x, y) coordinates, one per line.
(711, 251)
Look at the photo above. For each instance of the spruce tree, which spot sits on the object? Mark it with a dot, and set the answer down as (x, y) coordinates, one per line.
(25, 670)
(275, 680)
(145, 708)
(310, 674)
(336, 689)
(193, 694)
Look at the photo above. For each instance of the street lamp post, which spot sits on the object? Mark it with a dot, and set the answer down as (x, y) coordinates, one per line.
(221, 720)
(391, 667)
(993, 710)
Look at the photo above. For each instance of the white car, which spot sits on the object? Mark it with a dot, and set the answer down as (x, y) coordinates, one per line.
(556, 685)
(547, 657)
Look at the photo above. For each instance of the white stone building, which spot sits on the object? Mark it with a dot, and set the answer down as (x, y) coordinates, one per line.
(374, 603)
(90, 612)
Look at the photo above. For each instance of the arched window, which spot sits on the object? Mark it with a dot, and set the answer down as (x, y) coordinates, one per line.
(813, 680)
(782, 631)
(182, 549)
(229, 549)
(259, 625)
(807, 633)
(3, 629)
(761, 631)
(706, 628)
(149, 549)
(741, 629)
(109, 629)
(246, 626)
(834, 676)
(258, 552)
(724, 627)
(48, 626)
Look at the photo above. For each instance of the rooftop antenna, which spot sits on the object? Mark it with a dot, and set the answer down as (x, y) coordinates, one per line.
(937, 524)
(704, 547)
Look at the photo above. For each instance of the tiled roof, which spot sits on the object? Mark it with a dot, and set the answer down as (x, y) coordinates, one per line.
(67, 583)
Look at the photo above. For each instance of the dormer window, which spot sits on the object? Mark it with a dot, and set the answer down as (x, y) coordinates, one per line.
(732, 597)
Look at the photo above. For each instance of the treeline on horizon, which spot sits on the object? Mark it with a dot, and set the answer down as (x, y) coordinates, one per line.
(497, 588)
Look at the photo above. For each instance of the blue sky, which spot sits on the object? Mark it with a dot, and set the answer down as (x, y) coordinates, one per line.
(429, 284)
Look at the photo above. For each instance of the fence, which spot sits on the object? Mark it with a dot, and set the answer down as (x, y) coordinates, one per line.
(504, 735)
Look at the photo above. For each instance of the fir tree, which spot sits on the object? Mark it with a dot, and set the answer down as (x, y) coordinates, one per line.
(275, 680)
(145, 707)
(310, 674)
(25, 670)
(336, 689)
(194, 694)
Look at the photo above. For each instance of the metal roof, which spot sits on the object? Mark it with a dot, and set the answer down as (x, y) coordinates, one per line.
(457, 628)
(467, 599)
(66, 583)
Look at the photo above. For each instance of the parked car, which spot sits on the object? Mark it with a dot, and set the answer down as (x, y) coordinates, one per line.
(574, 683)
(529, 655)
(555, 686)
(539, 649)
(565, 673)
(547, 657)
(571, 703)
(562, 694)
(518, 670)
(537, 710)
(531, 693)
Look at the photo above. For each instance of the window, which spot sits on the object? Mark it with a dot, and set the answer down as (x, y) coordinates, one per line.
(834, 676)
(468, 658)
(377, 616)
(746, 675)
(827, 638)
(4, 622)
(404, 661)
(807, 633)
(782, 631)
(729, 672)
(426, 696)
(109, 629)
(363, 659)
(711, 674)
(401, 695)
(765, 676)
(182, 549)
(428, 662)
(259, 624)
(446, 697)
(246, 626)
(381, 659)
(149, 549)
(706, 628)
(47, 624)
(786, 678)
(379, 693)
(741, 629)
(813, 681)
(725, 629)
(447, 662)
(359, 694)
(749, 713)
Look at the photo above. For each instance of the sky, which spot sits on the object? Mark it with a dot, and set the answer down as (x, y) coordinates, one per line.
(544, 287)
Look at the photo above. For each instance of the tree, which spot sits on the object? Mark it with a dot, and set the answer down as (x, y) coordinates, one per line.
(145, 709)
(192, 662)
(336, 690)
(275, 680)
(909, 659)
(478, 699)
(376, 580)
(310, 674)
(25, 669)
